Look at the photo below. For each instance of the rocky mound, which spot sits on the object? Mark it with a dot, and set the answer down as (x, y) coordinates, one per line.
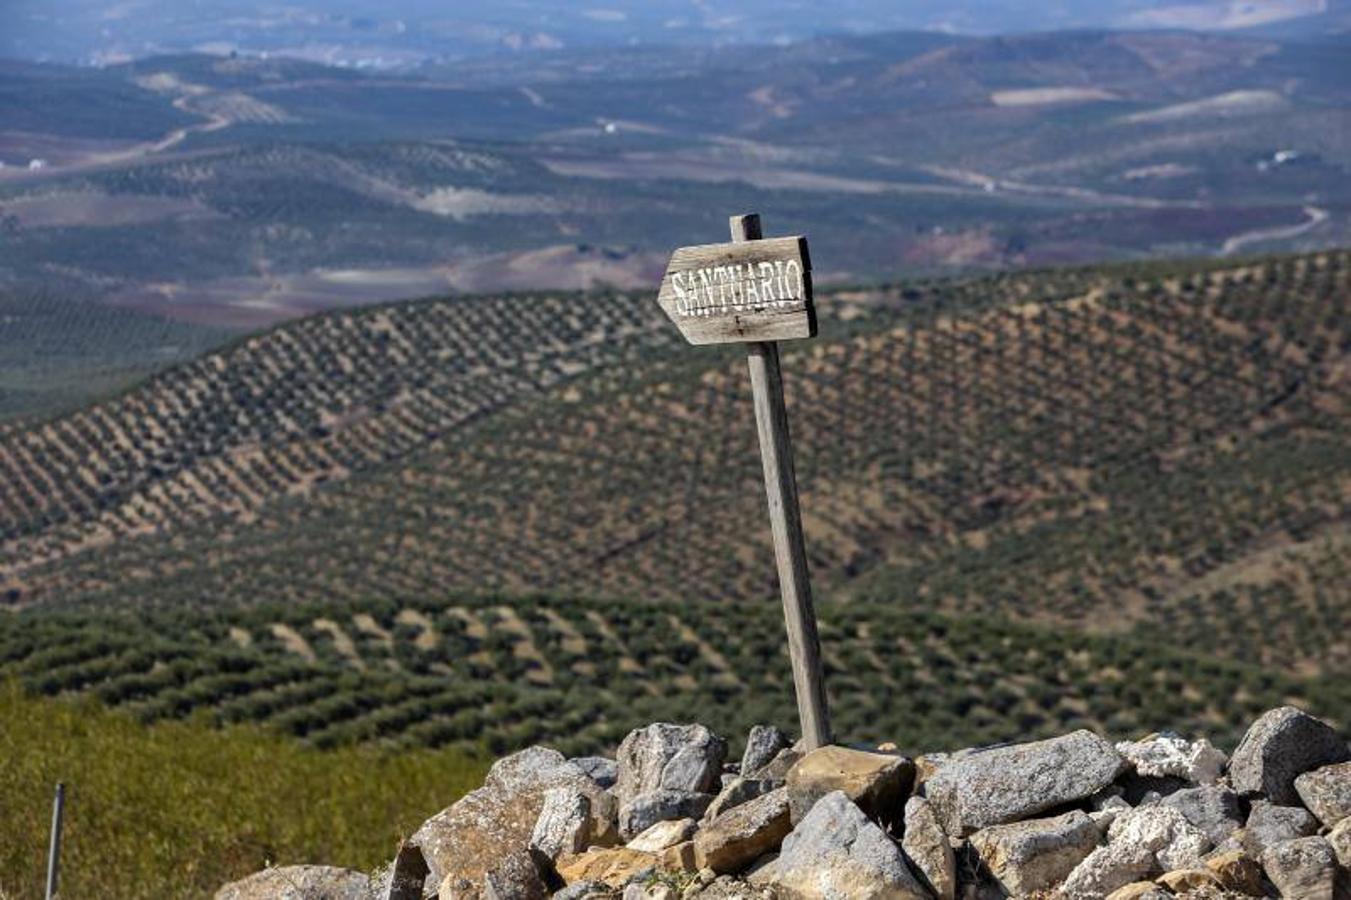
(1073, 816)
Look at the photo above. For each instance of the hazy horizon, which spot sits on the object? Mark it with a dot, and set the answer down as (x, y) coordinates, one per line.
(408, 33)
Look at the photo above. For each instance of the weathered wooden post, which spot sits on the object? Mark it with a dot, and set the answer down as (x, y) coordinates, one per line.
(54, 848)
(759, 292)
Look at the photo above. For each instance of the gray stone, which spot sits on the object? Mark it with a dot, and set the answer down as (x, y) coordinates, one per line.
(738, 837)
(466, 840)
(666, 761)
(604, 772)
(1142, 844)
(777, 769)
(1035, 855)
(978, 789)
(1107, 869)
(837, 852)
(762, 744)
(1302, 869)
(1279, 747)
(1106, 805)
(1168, 755)
(1269, 825)
(877, 782)
(928, 849)
(669, 757)
(663, 835)
(564, 823)
(1327, 792)
(1103, 818)
(1184, 846)
(647, 810)
(926, 764)
(299, 883)
(514, 878)
(739, 791)
(1214, 810)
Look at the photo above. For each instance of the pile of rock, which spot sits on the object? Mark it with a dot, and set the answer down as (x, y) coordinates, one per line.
(1072, 816)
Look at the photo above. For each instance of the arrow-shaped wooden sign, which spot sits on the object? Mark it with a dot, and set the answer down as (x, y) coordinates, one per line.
(759, 292)
(751, 291)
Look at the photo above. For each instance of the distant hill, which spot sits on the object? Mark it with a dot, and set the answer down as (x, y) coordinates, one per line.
(246, 191)
(1139, 469)
(408, 32)
(67, 102)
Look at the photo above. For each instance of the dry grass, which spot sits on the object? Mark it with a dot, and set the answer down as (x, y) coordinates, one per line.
(178, 808)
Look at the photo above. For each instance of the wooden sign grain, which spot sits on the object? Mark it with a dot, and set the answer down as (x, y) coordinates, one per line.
(738, 292)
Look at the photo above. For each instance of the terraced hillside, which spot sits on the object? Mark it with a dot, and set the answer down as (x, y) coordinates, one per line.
(276, 414)
(1120, 494)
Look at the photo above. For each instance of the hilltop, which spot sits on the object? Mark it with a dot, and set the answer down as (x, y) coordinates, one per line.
(1116, 494)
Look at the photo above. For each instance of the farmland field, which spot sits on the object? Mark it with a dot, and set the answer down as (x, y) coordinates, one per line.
(58, 353)
(1110, 496)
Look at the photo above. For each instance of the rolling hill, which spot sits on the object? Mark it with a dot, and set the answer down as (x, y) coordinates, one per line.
(1116, 494)
(244, 191)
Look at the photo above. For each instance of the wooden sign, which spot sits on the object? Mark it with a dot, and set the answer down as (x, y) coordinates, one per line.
(760, 291)
(752, 291)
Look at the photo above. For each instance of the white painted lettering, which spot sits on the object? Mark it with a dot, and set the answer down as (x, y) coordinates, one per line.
(767, 293)
(706, 281)
(793, 271)
(739, 287)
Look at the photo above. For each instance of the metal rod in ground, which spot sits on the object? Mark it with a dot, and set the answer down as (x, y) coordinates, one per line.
(54, 850)
(790, 552)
